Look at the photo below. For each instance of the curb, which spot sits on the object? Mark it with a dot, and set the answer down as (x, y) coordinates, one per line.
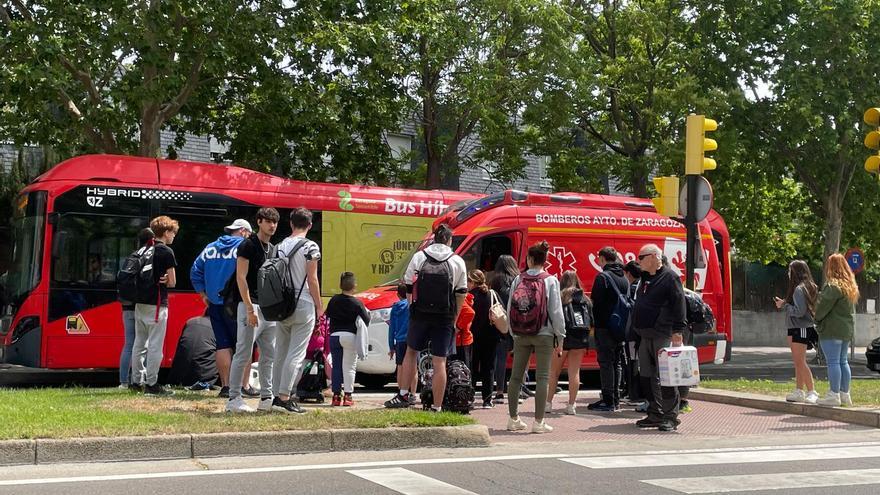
(864, 417)
(102, 449)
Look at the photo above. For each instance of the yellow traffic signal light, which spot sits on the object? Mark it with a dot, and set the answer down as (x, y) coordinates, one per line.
(872, 140)
(697, 145)
(667, 202)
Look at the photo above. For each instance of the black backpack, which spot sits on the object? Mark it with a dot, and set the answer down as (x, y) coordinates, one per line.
(432, 291)
(578, 315)
(699, 315)
(617, 322)
(135, 280)
(459, 395)
(277, 295)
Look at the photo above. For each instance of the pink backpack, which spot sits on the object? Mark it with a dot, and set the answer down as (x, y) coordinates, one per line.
(319, 338)
(528, 304)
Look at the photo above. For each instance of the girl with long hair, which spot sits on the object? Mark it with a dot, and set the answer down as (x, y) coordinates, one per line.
(835, 312)
(540, 337)
(575, 344)
(486, 337)
(506, 270)
(800, 307)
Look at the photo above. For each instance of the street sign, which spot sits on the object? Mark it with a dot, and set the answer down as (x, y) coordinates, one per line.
(855, 258)
(704, 199)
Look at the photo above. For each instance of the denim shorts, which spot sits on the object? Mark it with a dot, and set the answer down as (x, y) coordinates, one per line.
(225, 329)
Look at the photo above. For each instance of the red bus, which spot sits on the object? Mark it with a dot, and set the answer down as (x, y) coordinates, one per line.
(75, 224)
(577, 226)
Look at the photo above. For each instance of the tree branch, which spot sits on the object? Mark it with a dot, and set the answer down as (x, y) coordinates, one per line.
(83, 77)
(171, 108)
(23, 10)
(587, 126)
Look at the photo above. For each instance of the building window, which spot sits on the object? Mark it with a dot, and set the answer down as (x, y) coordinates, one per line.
(543, 163)
(401, 146)
(218, 150)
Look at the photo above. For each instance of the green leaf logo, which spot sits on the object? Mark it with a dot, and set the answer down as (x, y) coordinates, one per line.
(345, 202)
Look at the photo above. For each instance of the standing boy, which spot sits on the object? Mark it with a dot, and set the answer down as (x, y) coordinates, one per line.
(295, 331)
(151, 312)
(251, 324)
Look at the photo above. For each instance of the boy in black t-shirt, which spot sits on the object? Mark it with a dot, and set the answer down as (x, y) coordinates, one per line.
(151, 320)
(251, 324)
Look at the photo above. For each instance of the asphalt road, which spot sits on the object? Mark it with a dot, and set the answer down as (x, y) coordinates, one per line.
(810, 464)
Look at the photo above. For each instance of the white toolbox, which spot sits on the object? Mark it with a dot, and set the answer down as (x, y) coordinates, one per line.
(678, 366)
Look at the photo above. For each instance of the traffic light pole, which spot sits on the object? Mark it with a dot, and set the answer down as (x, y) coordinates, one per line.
(690, 221)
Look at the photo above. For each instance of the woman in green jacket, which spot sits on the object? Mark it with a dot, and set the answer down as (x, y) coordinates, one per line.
(835, 324)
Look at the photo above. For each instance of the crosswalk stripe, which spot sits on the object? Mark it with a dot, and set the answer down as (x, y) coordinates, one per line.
(784, 455)
(408, 482)
(775, 481)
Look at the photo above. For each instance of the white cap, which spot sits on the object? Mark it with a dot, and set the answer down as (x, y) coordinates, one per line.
(239, 224)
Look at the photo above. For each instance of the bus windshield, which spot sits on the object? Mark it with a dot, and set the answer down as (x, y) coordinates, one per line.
(28, 230)
(396, 275)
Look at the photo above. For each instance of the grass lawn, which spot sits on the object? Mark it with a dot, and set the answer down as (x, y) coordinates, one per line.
(865, 393)
(84, 412)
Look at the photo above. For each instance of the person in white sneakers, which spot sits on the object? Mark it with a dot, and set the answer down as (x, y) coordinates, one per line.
(835, 320)
(538, 325)
(800, 306)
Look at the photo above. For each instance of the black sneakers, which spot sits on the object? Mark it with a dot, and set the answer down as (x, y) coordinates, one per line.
(649, 423)
(157, 391)
(224, 392)
(399, 401)
(250, 392)
(289, 406)
(136, 388)
(601, 405)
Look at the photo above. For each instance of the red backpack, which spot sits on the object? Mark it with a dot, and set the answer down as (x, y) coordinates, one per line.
(528, 304)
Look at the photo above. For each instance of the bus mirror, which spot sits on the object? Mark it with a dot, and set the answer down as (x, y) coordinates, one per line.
(59, 244)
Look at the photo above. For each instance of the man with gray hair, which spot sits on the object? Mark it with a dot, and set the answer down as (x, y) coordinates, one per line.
(658, 317)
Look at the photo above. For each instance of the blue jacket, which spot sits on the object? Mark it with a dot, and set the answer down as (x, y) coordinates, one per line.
(212, 269)
(398, 323)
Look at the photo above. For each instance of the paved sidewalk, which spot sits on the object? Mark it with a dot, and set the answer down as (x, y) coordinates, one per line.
(774, 363)
(707, 419)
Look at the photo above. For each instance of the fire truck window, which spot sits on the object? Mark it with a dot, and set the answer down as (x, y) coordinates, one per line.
(484, 253)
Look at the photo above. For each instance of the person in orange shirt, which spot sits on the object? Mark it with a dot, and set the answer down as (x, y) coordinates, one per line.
(464, 339)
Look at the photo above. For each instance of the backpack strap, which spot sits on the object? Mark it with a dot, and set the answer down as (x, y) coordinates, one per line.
(613, 283)
(296, 247)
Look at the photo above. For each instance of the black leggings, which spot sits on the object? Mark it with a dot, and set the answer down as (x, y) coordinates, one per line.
(484, 360)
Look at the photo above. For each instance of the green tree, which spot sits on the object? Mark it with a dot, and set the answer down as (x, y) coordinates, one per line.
(815, 59)
(616, 104)
(470, 66)
(107, 76)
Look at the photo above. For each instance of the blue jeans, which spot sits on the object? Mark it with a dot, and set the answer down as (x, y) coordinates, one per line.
(839, 374)
(344, 357)
(125, 356)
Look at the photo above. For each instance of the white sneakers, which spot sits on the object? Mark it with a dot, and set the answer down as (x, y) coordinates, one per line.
(238, 405)
(845, 399)
(831, 399)
(796, 396)
(265, 405)
(541, 427)
(516, 424)
(811, 397)
(571, 410)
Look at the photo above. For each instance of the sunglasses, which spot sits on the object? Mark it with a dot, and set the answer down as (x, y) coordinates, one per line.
(643, 256)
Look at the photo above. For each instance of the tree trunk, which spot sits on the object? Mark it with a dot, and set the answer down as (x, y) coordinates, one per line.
(150, 140)
(639, 177)
(833, 228)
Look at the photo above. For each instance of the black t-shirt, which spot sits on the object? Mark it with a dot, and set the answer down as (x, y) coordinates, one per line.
(163, 259)
(255, 251)
(343, 311)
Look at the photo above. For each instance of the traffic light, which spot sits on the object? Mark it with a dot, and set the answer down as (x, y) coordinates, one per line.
(697, 145)
(667, 202)
(872, 140)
